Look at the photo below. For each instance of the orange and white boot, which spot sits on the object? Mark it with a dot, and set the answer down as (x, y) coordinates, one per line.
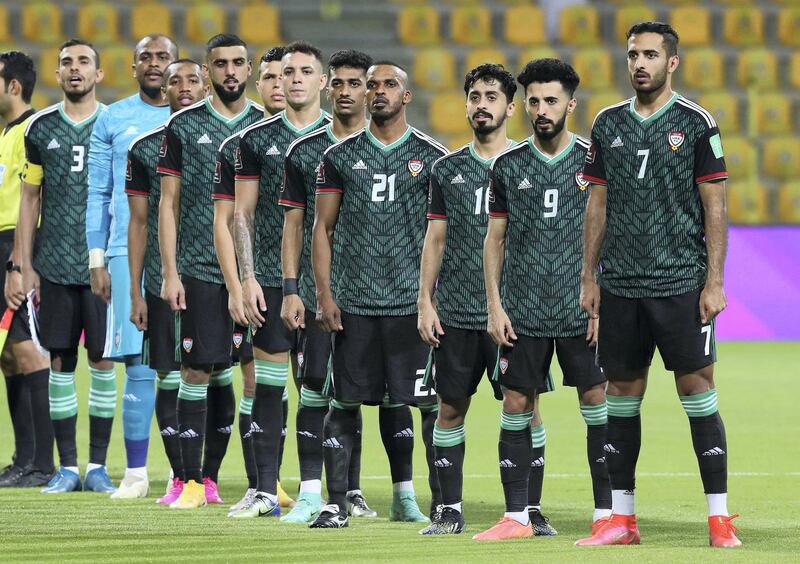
(721, 532)
(617, 529)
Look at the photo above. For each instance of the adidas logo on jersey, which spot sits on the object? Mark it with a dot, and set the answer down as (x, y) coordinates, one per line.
(53, 144)
(131, 398)
(442, 463)
(538, 463)
(272, 151)
(405, 433)
(616, 143)
(609, 448)
(716, 451)
(168, 432)
(506, 463)
(189, 434)
(332, 443)
(204, 139)
(458, 180)
(131, 130)
(360, 166)
(307, 434)
(225, 430)
(525, 184)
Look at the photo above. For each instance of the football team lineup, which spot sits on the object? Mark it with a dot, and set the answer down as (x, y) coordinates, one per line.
(351, 260)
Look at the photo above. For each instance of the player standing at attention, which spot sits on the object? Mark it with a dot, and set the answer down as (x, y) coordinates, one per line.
(347, 91)
(25, 369)
(656, 223)
(269, 85)
(372, 193)
(107, 237)
(536, 205)
(54, 263)
(183, 86)
(456, 325)
(193, 282)
(257, 231)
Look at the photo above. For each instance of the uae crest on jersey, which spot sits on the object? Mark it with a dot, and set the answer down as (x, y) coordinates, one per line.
(503, 364)
(187, 344)
(415, 166)
(676, 140)
(237, 339)
(582, 182)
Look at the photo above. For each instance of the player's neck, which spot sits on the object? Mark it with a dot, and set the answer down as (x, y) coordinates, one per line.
(81, 109)
(150, 101)
(17, 108)
(303, 117)
(554, 146)
(390, 130)
(648, 103)
(345, 126)
(231, 109)
(490, 145)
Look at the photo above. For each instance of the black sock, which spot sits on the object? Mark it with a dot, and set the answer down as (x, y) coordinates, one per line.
(42, 425)
(514, 450)
(339, 430)
(601, 487)
(310, 422)
(711, 448)
(428, 420)
(248, 453)
(219, 426)
(449, 462)
(167, 418)
(19, 406)
(536, 478)
(285, 407)
(99, 437)
(266, 433)
(623, 441)
(354, 470)
(64, 433)
(192, 428)
(397, 434)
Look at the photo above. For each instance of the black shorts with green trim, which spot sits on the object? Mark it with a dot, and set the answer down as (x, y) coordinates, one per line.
(158, 345)
(273, 336)
(205, 327)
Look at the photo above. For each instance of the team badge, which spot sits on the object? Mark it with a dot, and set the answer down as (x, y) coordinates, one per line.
(321, 173)
(676, 140)
(162, 152)
(300, 359)
(582, 182)
(129, 171)
(590, 154)
(415, 166)
(237, 339)
(187, 344)
(218, 173)
(503, 364)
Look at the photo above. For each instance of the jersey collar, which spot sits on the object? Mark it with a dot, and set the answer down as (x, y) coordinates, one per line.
(23, 116)
(228, 121)
(306, 129)
(374, 140)
(81, 123)
(661, 111)
(554, 159)
(479, 158)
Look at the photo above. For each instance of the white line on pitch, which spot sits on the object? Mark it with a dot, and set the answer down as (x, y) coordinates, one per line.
(578, 475)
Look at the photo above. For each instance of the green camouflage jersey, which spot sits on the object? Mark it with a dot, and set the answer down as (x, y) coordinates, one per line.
(189, 151)
(297, 192)
(55, 152)
(651, 167)
(381, 227)
(543, 199)
(142, 180)
(262, 149)
(459, 194)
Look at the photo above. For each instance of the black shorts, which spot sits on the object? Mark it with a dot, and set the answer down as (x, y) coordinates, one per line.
(158, 345)
(313, 354)
(241, 345)
(19, 329)
(459, 363)
(66, 311)
(376, 356)
(273, 337)
(205, 326)
(631, 329)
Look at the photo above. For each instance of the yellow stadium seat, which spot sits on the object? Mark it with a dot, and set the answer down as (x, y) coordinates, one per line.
(627, 16)
(524, 25)
(98, 23)
(519, 123)
(485, 55)
(579, 25)
(788, 24)
(41, 22)
(740, 157)
(47, 66)
(4, 33)
(595, 68)
(782, 157)
(150, 18)
(757, 68)
(773, 113)
(794, 69)
(789, 202)
(747, 203)
(743, 25)
(533, 53)
(693, 24)
(203, 21)
(259, 24)
(457, 140)
(447, 114)
(703, 69)
(593, 103)
(40, 100)
(435, 69)
(471, 25)
(418, 25)
(725, 109)
(117, 61)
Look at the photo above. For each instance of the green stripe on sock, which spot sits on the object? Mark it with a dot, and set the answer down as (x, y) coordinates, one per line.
(246, 406)
(62, 394)
(339, 404)
(285, 396)
(538, 436)
(102, 393)
(428, 408)
(624, 406)
(271, 373)
(515, 421)
(310, 398)
(595, 414)
(221, 378)
(196, 392)
(700, 405)
(169, 380)
(448, 437)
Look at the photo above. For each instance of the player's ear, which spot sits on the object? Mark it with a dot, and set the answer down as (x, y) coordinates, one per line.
(571, 105)
(249, 67)
(323, 81)
(510, 109)
(406, 97)
(133, 69)
(99, 74)
(204, 72)
(673, 63)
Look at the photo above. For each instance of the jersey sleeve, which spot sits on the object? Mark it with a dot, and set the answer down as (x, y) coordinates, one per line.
(293, 193)
(436, 205)
(709, 159)
(32, 172)
(170, 157)
(137, 181)
(328, 179)
(594, 169)
(247, 165)
(498, 204)
(224, 178)
(101, 183)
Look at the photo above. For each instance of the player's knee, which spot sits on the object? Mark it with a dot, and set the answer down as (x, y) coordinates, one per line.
(593, 395)
(451, 413)
(196, 373)
(8, 363)
(695, 382)
(517, 401)
(64, 360)
(26, 357)
(626, 387)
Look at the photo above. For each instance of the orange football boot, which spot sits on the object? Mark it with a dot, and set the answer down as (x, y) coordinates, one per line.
(721, 532)
(617, 529)
(506, 528)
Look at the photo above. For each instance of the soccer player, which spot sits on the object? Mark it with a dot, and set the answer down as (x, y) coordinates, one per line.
(346, 91)
(536, 204)
(183, 86)
(456, 325)
(54, 182)
(656, 223)
(107, 238)
(25, 369)
(369, 228)
(193, 283)
(257, 232)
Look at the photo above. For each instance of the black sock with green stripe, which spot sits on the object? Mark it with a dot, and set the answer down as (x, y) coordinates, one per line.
(309, 422)
(219, 423)
(514, 450)
(397, 434)
(429, 413)
(450, 446)
(192, 409)
(340, 428)
(623, 440)
(596, 418)
(536, 478)
(19, 406)
(249, 455)
(267, 421)
(708, 439)
(167, 418)
(354, 470)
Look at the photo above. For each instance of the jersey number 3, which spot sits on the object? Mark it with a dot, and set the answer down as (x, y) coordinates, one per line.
(78, 155)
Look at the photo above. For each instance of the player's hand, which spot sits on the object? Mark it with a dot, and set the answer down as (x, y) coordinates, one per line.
(139, 311)
(500, 329)
(236, 305)
(712, 302)
(592, 330)
(13, 290)
(255, 306)
(173, 293)
(30, 281)
(428, 324)
(329, 316)
(293, 312)
(590, 298)
(101, 283)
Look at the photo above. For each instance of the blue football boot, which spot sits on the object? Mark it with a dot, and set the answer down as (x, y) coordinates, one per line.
(64, 481)
(98, 480)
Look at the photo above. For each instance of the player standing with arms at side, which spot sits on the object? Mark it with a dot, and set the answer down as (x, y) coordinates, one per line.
(183, 86)
(656, 223)
(107, 238)
(54, 262)
(368, 233)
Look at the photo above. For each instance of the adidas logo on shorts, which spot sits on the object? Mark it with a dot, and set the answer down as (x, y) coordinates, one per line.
(609, 448)
(404, 434)
(332, 443)
(168, 432)
(506, 463)
(716, 451)
(538, 463)
(189, 434)
(442, 463)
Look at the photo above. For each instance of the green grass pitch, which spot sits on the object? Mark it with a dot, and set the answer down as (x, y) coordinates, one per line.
(757, 382)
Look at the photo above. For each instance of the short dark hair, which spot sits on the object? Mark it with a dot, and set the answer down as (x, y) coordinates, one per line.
(349, 58)
(171, 67)
(550, 70)
(491, 72)
(155, 37)
(668, 34)
(273, 54)
(224, 40)
(303, 47)
(389, 63)
(72, 42)
(19, 66)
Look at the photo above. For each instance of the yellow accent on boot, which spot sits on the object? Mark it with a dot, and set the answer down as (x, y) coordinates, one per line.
(193, 496)
(283, 498)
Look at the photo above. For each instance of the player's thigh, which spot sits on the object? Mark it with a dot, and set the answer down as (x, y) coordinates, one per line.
(158, 348)
(93, 319)
(578, 362)
(458, 363)
(405, 358)
(60, 324)
(525, 367)
(205, 325)
(358, 368)
(273, 337)
(624, 341)
(313, 354)
(685, 342)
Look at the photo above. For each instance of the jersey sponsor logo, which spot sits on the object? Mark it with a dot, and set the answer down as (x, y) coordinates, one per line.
(273, 151)
(217, 172)
(503, 364)
(676, 139)
(590, 154)
(616, 143)
(415, 166)
(128, 171)
(162, 152)
(525, 184)
(582, 182)
(360, 166)
(204, 139)
(458, 180)
(188, 342)
(53, 144)
(237, 339)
